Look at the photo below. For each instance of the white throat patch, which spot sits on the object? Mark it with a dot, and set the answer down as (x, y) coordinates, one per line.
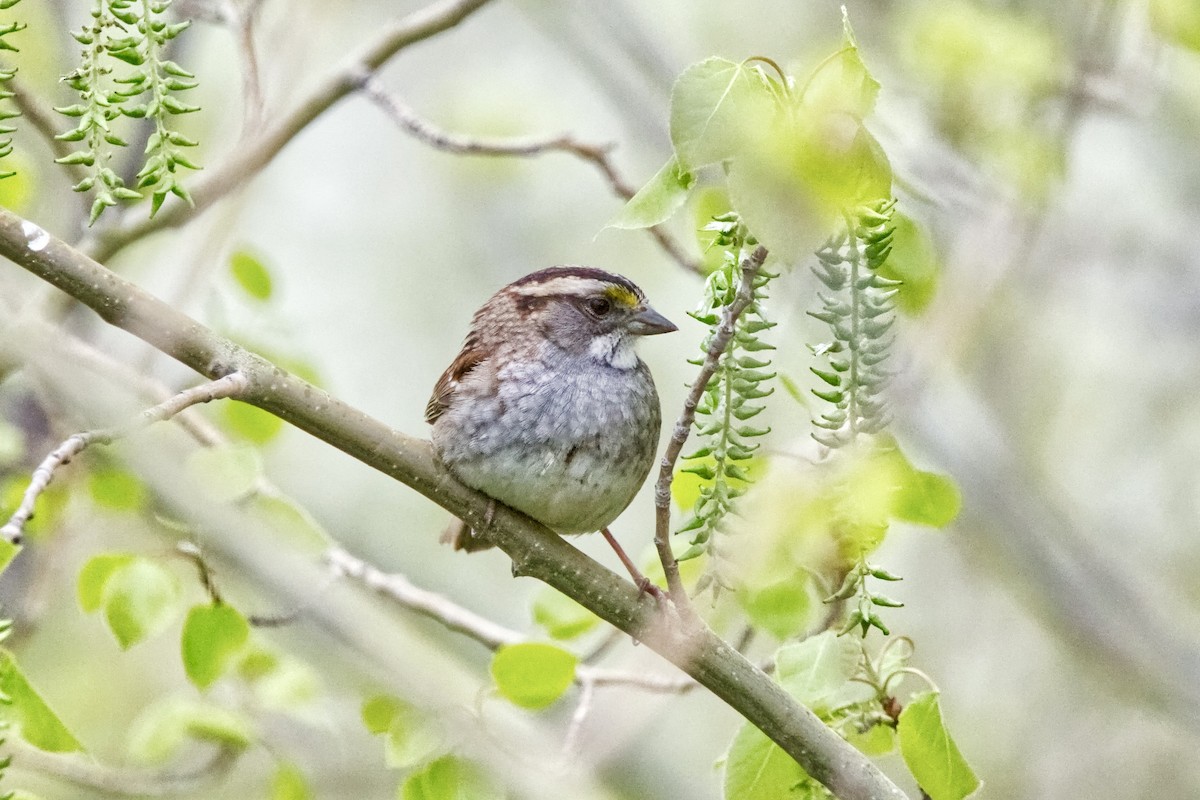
(615, 350)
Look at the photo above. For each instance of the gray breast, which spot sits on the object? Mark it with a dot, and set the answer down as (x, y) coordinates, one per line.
(568, 442)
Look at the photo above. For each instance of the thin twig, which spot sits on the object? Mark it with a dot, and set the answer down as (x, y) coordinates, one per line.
(249, 158)
(430, 604)
(196, 425)
(587, 692)
(683, 427)
(125, 781)
(596, 154)
(242, 18)
(191, 551)
(229, 386)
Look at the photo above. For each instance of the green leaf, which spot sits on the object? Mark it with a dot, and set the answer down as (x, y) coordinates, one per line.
(379, 710)
(160, 731)
(94, 577)
(910, 494)
(533, 675)
(717, 108)
(658, 200)
(878, 740)
(28, 712)
(757, 769)
(560, 616)
(931, 755)
(775, 203)
(227, 472)
(781, 608)
(927, 498)
(842, 84)
(117, 489)
(251, 274)
(213, 635)
(289, 783)
(141, 599)
(449, 778)
(817, 672)
(250, 422)
(914, 261)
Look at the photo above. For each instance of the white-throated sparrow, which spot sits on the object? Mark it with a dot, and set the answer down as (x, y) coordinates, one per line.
(547, 408)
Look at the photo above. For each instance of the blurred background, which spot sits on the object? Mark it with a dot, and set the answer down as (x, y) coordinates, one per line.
(1048, 150)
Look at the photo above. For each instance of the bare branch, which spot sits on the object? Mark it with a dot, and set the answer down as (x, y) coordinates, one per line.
(228, 386)
(398, 588)
(683, 426)
(597, 155)
(249, 158)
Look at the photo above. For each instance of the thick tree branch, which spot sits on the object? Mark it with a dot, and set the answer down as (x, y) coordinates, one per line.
(535, 550)
(249, 158)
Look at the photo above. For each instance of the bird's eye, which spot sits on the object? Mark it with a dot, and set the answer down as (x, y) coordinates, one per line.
(599, 306)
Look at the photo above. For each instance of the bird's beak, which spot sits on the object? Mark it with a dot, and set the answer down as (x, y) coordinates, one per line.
(647, 322)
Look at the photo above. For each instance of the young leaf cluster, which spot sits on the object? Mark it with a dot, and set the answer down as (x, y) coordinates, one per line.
(132, 32)
(858, 307)
(793, 155)
(730, 400)
(7, 111)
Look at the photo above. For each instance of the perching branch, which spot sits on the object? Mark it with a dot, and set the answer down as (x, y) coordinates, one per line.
(683, 426)
(229, 386)
(534, 550)
(597, 155)
(249, 158)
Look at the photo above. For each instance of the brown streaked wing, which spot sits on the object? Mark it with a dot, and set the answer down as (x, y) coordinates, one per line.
(469, 358)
